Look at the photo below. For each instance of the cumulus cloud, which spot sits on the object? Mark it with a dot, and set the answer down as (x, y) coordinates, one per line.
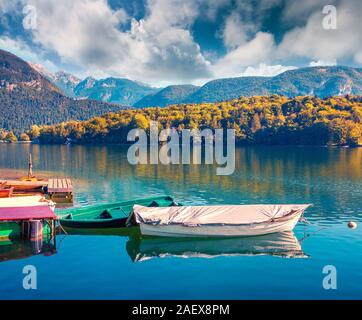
(211, 8)
(304, 38)
(89, 33)
(257, 50)
(81, 31)
(158, 46)
(249, 51)
(161, 48)
(315, 42)
(296, 11)
(235, 31)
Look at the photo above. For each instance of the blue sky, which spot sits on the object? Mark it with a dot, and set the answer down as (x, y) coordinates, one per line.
(163, 42)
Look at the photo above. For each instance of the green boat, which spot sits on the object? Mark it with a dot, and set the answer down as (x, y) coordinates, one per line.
(111, 215)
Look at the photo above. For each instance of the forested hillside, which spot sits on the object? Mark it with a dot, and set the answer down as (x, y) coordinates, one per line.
(257, 120)
(316, 81)
(27, 98)
(167, 96)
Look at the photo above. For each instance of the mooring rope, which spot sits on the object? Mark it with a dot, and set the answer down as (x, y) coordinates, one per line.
(61, 227)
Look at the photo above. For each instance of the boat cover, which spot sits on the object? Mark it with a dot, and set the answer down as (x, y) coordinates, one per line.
(213, 215)
(26, 201)
(26, 213)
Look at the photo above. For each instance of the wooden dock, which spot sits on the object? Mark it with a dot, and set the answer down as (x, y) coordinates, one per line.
(60, 190)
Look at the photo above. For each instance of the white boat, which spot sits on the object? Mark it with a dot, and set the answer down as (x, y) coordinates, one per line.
(217, 221)
(28, 201)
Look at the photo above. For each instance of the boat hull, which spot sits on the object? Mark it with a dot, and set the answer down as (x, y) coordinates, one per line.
(19, 185)
(27, 201)
(179, 230)
(6, 193)
(90, 217)
(92, 224)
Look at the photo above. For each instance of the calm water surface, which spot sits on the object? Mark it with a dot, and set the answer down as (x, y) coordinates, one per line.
(120, 266)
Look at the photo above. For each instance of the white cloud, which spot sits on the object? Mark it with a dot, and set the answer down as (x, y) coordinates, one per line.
(322, 63)
(212, 7)
(265, 70)
(358, 57)
(258, 50)
(22, 50)
(158, 47)
(314, 42)
(78, 30)
(297, 11)
(7, 6)
(235, 31)
(249, 51)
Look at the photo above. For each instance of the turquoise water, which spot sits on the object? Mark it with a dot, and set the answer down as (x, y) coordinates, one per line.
(125, 267)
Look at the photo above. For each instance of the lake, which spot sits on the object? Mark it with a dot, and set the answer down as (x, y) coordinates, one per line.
(117, 266)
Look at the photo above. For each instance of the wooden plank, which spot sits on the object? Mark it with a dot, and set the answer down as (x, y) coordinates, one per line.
(69, 183)
(60, 185)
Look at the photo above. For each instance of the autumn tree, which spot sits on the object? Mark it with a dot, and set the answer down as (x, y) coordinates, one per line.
(10, 137)
(24, 137)
(34, 132)
(139, 121)
(255, 123)
(260, 119)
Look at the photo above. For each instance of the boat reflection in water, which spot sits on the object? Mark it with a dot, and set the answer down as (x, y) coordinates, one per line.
(284, 244)
(21, 249)
(122, 232)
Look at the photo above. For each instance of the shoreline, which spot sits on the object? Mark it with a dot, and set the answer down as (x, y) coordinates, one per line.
(236, 144)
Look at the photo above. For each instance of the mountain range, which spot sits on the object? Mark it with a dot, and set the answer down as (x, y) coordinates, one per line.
(29, 94)
(315, 81)
(169, 95)
(27, 98)
(114, 90)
